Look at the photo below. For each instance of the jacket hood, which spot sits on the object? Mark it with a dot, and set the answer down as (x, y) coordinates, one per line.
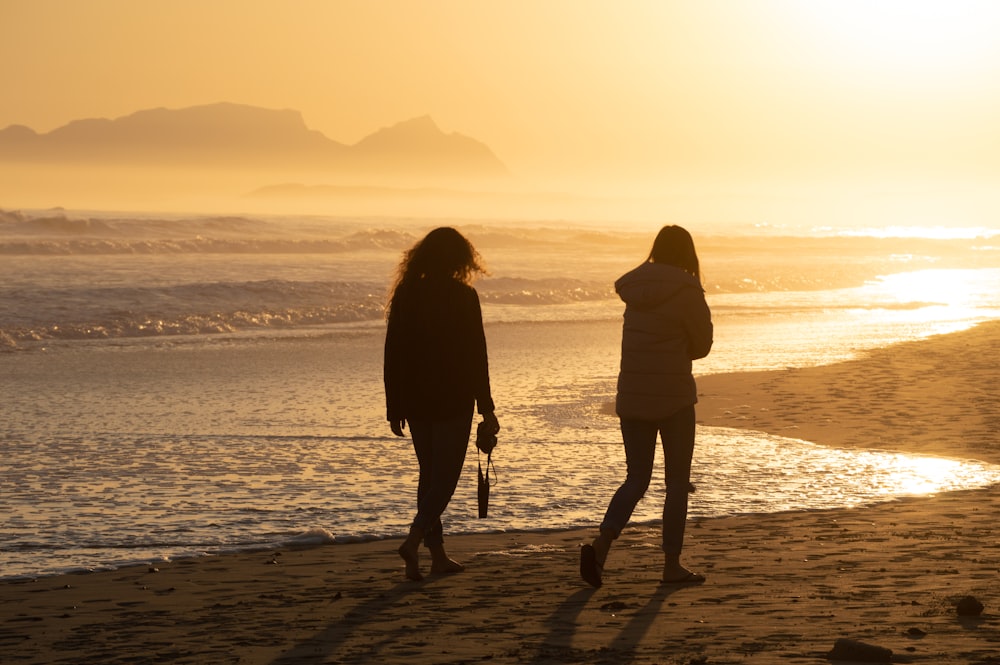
(653, 283)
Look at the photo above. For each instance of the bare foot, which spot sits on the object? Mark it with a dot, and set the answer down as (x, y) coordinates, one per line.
(412, 559)
(441, 562)
(446, 565)
(678, 574)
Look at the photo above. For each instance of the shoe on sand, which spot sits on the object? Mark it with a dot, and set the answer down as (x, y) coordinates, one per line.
(590, 570)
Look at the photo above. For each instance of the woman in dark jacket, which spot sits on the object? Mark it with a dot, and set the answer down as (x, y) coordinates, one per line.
(436, 372)
(667, 325)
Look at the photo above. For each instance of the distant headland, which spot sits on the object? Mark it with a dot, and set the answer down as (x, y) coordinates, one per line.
(250, 138)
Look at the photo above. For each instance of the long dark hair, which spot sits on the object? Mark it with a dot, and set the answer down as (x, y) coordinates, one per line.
(674, 246)
(443, 253)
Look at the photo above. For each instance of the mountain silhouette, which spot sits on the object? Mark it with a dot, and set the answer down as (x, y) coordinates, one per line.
(229, 135)
(419, 142)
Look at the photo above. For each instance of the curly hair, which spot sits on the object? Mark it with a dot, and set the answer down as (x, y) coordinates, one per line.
(443, 253)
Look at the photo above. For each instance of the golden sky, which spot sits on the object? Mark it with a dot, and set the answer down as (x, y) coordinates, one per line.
(896, 91)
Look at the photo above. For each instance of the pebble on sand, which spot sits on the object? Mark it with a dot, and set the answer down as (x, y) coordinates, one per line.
(969, 606)
(847, 649)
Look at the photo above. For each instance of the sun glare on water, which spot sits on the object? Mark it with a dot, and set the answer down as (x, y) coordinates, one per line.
(916, 476)
(952, 288)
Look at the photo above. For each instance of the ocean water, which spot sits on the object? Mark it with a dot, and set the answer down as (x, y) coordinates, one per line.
(181, 386)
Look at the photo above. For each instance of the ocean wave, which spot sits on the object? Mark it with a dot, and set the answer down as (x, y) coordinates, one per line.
(205, 245)
(57, 234)
(71, 313)
(88, 313)
(128, 324)
(520, 291)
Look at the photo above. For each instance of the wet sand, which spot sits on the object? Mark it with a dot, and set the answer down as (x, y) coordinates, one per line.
(781, 588)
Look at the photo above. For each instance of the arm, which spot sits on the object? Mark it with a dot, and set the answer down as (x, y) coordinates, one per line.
(392, 375)
(698, 326)
(480, 363)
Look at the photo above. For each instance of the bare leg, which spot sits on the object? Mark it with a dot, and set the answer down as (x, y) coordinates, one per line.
(410, 551)
(602, 545)
(675, 573)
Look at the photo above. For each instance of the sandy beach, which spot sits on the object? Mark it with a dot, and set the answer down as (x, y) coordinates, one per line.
(781, 588)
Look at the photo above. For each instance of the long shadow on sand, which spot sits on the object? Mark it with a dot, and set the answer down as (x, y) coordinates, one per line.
(562, 623)
(320, 647)
(633, 632)
(557, 647)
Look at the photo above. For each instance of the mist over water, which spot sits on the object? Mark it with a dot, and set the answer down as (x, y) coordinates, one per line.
(175, 386)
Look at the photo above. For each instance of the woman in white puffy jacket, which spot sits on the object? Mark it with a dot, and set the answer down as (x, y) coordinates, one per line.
(667, 324)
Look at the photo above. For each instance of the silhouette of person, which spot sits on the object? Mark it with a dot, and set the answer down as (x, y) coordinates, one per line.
(436, 373)
(667, 324)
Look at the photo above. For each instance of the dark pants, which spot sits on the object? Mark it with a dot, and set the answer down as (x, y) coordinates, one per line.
(440, 446)
(677, 434)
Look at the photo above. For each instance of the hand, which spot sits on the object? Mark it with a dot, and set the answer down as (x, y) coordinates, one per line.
(491, 420)
(397, 426)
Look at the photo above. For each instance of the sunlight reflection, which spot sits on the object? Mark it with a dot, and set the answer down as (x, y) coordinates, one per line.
(917, 475)
(926, 291)
(775, 473)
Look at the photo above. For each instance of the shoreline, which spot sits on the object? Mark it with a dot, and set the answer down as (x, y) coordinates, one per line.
(782, 587)
(934, 396)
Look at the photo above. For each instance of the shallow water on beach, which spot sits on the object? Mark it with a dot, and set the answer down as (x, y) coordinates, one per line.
(167, 398)
(121, 456)
(153, 498)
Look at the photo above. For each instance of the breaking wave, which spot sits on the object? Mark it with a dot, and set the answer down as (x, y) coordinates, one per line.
(90, 313)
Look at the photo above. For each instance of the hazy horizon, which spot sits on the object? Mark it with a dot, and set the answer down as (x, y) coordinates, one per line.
(849, 112)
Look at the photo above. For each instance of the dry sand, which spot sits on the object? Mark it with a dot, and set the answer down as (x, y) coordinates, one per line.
(782, 588)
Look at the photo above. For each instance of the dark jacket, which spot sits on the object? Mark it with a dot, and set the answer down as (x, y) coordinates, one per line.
(667, 325)
(435, 352)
